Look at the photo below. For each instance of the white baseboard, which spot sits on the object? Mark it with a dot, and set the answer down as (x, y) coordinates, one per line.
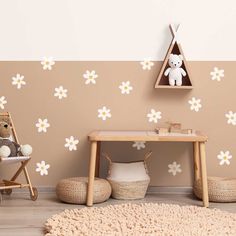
(151, 190)
(170, 190)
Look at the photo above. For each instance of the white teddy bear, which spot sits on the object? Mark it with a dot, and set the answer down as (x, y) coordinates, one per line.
(175, 71)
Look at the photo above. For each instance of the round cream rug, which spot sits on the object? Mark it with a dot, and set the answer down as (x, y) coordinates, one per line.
(142, 219)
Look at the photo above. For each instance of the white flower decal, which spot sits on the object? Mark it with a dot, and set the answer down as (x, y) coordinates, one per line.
(154, 116)
(125, 87)
(147, 64)
(174, 168)
(42, 168)
(217, 74)
(195, 104)
(42, 125)
(18, 80)
(47, 63)
(90, 77)
(3, 101)
(104, 113)
(71, 143)
(231, 117)
(139, 145)
(60, 92)
(224, 158)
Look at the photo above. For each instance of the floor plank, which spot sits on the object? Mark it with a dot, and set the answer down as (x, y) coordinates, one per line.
(22, 217)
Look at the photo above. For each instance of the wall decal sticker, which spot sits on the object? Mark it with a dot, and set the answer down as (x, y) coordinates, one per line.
(47, 63)
(224, 158)
(139, 145)
(195, 104)
(18, 80)
(3, 101)
(174, 168)
(90, 77)
(42, 125)
(71, 143)
(42, 168)
(231, 117)
(125, 87)
(104, 113)
(217, 74)
(60, 92)
(147, 64)
(154, 116)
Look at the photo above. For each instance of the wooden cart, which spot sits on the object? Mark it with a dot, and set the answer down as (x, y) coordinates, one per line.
(6, 186)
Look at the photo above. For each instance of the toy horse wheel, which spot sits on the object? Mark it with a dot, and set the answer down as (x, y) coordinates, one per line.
(8, 191)
(34, 198)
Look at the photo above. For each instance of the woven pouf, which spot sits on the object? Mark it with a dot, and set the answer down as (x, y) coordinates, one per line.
(219, 189)
(74, 190)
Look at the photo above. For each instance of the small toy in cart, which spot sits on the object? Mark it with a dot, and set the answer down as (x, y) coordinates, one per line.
(162, 130)
(187, 131)
(173, 128)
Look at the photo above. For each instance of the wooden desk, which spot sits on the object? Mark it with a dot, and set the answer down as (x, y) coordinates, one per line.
(198, 140)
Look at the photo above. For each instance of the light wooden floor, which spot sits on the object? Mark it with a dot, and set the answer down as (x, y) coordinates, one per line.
(22, 217)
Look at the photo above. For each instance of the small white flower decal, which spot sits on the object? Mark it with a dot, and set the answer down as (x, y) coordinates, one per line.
(139, 145)
(47, 63)
(104, 113)
(18, 80)
(195, 104)
(42, 168)
(174, 168)
(147, 64)
(217, 74)
(3, 101)
(42, 125)
(154, 116)
(224, 158)
(60, 92)
(90, 77)
(125, 87)
(71, 143)
(231, 117)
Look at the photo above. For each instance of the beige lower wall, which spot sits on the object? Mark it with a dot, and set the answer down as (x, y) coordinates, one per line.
(76, 115)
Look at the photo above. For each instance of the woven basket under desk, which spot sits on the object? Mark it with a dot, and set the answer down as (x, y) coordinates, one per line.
(129, 190)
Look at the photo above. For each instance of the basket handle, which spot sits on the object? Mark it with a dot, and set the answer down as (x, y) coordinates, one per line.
(107, 157)
(147, 155)
(110, 163)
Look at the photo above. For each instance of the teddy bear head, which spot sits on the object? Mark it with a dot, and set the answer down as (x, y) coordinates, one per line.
(5, 129)
(175, 61)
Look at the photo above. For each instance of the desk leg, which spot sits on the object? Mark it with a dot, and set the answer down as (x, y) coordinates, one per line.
(92, 166)
(97, 170)
(205, 197)
(196, 160)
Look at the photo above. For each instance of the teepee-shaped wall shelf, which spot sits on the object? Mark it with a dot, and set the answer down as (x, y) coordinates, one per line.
(175, 48)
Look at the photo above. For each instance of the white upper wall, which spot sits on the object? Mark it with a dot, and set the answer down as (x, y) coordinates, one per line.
(116, 29)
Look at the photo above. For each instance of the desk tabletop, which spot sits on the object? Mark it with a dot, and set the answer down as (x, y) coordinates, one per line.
(128, 135)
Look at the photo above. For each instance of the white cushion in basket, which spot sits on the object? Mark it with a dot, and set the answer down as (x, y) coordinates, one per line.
(134, 171)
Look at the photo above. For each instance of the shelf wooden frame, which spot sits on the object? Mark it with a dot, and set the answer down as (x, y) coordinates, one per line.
(175, 47)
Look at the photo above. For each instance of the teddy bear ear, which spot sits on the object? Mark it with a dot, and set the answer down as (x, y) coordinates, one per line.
(181, 57)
